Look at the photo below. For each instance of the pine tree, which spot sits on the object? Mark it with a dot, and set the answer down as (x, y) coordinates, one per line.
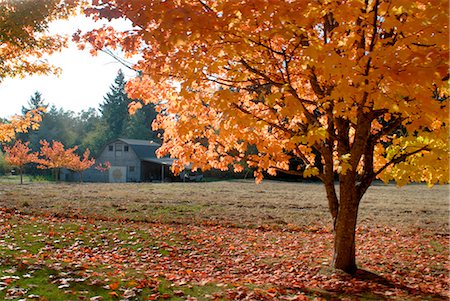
(115, 108)
(36, 101)
(117, 122)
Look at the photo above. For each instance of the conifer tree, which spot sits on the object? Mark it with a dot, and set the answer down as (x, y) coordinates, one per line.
(114, 109)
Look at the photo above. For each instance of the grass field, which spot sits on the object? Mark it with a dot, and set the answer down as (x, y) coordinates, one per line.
(216, 241)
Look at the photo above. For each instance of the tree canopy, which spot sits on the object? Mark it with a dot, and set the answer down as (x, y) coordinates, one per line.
(24, 41)
(344, 86)
(24, 35)
(292, 77)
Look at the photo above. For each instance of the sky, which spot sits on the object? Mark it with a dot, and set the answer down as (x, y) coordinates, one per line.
(83, 83)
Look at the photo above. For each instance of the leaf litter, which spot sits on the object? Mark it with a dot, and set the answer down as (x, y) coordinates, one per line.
(157, 261)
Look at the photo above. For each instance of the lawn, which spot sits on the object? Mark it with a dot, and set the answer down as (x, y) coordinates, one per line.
(216, 241)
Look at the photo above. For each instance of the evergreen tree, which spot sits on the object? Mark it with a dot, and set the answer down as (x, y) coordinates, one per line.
(114, 109)
(137, 127)
(116, 121)
(36, 101)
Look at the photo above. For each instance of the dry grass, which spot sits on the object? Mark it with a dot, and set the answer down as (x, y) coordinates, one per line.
(240, 203)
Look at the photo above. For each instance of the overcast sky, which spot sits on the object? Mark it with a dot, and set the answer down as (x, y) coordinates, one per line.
(83, 82)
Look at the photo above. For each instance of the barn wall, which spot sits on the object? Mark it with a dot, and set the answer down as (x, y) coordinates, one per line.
(89, 175)
(119, 156)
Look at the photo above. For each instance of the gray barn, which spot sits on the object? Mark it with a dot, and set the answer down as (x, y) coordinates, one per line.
(131, 161)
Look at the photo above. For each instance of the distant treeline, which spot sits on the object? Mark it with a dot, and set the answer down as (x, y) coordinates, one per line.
(90, 128)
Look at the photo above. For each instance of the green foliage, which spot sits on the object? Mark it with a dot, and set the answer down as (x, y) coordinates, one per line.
(81, 129)
(36, 101)
(4, 166)
(114, 109)
(117, 122)
(40, 178)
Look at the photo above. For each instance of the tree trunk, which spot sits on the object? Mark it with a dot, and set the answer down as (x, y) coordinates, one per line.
(344, 240)
(21, 175)
(56, 174)
(345, 227)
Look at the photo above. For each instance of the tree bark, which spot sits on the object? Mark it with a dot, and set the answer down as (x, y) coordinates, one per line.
(21, 175)
(345, 227)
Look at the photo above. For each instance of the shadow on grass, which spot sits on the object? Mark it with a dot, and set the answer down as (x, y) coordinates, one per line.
(373, 287)
(369, 276)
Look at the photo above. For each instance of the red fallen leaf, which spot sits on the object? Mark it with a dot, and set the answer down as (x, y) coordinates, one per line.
(132, 283)
(165, 296)
(153, 296)
(114, 294)
(114, 285)
(272, 290)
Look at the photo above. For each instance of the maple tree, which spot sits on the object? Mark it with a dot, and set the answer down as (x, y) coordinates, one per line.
(19, 155)
(344, 87)
(25, 38)
(79, 164)
(55, 156)
(20, 124)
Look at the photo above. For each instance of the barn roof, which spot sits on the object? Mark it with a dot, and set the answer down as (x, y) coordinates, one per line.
(162, 161)
(142, 148)
(139, 142)
(145, 150)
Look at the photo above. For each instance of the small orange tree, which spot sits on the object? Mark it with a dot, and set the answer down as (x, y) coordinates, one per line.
(19, 155)
(20, 124)
(55, 156)
(343, 86)
(79, 164)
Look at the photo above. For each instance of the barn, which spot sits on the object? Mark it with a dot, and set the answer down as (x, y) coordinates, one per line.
(131, 161)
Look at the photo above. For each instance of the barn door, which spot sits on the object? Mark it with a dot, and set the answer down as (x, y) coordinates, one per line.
(118, 174)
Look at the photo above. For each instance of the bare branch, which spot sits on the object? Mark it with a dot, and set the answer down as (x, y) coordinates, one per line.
(205, 6)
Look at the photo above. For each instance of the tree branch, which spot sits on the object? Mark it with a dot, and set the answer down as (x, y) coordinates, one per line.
(266, 47)
(398, 159)
(205, 6)
(245, 111)
(257, 72)
(374, 24)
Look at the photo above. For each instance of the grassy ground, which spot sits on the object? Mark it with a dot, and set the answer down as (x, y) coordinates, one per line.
(241, 203)
(216, 241)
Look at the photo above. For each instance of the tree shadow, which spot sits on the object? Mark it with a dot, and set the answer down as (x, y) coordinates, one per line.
(364, 275)
(365, 292)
